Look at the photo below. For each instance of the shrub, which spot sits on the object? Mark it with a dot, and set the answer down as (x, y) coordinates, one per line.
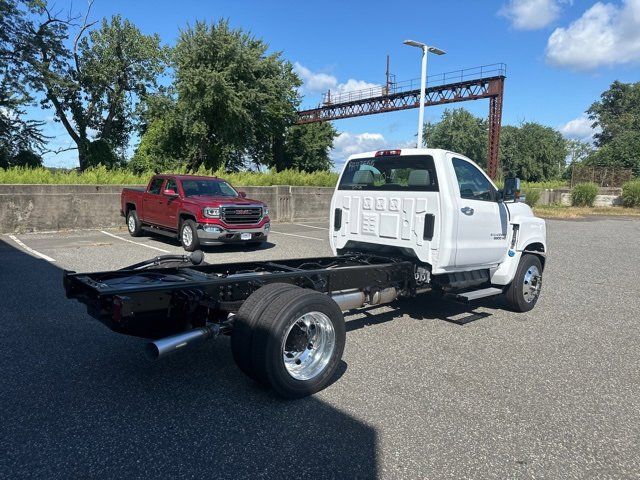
(584, 194)
(532, 195)
(631, 194)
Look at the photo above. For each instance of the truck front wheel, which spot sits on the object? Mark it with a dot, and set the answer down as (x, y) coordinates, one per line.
(524, 291)
(298, 343)
(189, 236)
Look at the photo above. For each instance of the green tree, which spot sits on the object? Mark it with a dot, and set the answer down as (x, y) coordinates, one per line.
(623, 151)
(617, 113)
(578, 152)
(532, 152)
(460, 131)
(94, 84)
(234, 99)
(27, 159)
(16, 132)
(160, 148)
(306, 147)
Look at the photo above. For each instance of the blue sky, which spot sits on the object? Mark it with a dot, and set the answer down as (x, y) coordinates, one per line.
(560, 54)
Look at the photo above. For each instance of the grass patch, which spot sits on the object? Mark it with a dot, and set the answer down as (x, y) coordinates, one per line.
(102, 176)
(561, 211)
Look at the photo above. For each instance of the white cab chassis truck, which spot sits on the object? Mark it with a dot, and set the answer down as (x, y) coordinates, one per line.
(440, 209)
(402, 222)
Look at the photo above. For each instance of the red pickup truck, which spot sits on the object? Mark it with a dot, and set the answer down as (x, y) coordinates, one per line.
(197, 210)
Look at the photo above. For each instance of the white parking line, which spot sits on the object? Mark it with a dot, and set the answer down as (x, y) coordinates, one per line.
(299, 236)
(311, 226)
(135, 243)
(31, 250)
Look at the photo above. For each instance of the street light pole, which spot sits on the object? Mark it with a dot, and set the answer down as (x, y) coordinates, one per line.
(423, 85)
(421, 142)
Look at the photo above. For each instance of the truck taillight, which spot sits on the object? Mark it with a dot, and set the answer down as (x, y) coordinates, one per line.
(121, 308)
(337, 219)
(387, 153)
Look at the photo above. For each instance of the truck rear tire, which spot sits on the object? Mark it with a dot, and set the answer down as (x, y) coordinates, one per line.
(133, 223)
(189, 236)
(245, 320)
(298, 343)
(523, 292)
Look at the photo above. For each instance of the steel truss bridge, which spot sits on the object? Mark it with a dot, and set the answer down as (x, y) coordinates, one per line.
(476, 83)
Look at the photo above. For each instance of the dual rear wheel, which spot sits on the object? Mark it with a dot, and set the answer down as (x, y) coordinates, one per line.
(289, 338)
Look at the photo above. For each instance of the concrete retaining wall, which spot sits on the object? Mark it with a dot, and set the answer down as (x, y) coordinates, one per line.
(30, 208)
(607, 197)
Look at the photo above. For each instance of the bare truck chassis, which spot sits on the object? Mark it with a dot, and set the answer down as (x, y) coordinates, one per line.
(284, 317)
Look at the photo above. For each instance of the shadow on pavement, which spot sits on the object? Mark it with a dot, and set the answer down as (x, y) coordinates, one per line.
(227, 247)
(428, 306)
(79, 401)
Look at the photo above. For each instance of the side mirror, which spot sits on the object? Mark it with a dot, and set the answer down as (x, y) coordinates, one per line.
(511, 191)
(242, 194)
(170, 192)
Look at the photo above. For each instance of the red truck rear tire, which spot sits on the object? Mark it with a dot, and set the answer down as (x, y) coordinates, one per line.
(133, 223)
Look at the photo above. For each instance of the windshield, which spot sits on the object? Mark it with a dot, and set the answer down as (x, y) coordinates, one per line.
(397, 173)
(210, 188)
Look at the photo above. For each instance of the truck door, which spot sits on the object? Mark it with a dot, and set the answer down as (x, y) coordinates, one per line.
(168, 205)
(481, 238)
(153, 201)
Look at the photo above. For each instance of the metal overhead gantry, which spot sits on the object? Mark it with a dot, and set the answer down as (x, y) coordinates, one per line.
(476, 83)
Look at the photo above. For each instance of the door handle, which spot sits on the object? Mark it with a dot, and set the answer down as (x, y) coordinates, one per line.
(467, 210)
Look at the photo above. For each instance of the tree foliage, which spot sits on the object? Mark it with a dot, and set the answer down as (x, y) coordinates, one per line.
(460, 131)
(617, 113)
(231, 104)
(94, 84)
(234, 99)
(532, 152)
(306, 147)
(16, 132)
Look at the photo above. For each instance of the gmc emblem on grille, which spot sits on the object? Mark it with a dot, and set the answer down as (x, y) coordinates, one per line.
(241, 212)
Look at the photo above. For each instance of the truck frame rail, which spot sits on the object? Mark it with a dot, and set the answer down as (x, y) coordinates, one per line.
(155, 302)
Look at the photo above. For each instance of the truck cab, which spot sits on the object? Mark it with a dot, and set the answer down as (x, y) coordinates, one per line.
(439, 208)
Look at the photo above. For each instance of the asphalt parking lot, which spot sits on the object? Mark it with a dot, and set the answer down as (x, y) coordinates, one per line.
(428, 389)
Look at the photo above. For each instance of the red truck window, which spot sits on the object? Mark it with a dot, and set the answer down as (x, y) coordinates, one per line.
(171, 185)
(156, 185)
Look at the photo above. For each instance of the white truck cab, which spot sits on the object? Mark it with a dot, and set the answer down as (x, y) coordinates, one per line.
(441, 209)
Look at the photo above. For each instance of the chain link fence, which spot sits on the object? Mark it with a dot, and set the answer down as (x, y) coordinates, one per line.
(601, 176)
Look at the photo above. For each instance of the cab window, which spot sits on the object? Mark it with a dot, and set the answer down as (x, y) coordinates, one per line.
(171, 185)
(407, 173)
(156, 185)
(472, 182)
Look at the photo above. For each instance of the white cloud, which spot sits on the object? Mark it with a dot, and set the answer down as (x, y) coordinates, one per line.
(531, 14)
(352, 85)
(314, 82)
(347, 143)
(317, 82)
(579, 128)
(606, 34)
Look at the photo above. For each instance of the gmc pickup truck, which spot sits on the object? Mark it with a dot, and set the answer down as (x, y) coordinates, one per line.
(402, 223)
(197, 210)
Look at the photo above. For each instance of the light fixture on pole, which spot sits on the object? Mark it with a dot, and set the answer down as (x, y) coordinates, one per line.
(423, 83)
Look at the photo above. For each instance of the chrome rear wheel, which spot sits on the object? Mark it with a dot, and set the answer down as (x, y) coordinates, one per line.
(308, 345)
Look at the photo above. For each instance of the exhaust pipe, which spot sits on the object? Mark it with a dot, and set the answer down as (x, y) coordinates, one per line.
(165, 346)
(356, 299)
(349, 300)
